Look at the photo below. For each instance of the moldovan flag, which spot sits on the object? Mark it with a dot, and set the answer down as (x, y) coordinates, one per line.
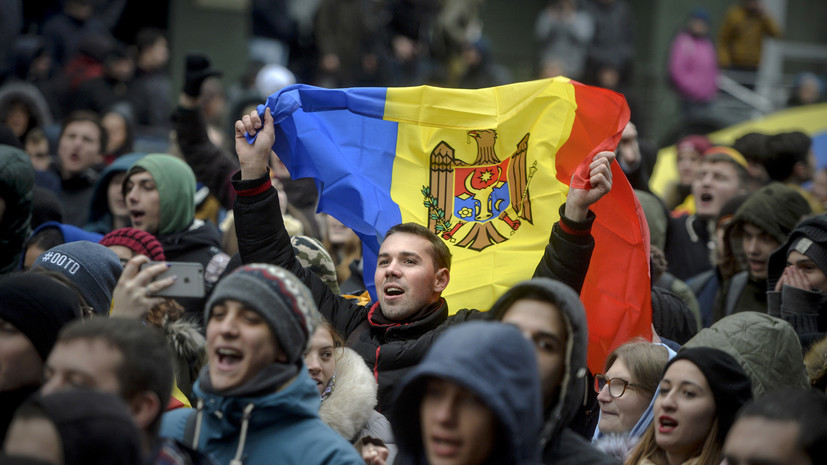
(487, 170)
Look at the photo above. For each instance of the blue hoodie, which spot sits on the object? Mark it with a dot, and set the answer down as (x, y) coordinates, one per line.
(497, 363)
(70, 234)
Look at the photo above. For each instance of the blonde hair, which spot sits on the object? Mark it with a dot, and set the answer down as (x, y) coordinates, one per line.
(645, 362)
(708, 454)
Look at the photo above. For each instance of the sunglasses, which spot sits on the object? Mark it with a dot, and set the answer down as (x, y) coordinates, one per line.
(617, 386)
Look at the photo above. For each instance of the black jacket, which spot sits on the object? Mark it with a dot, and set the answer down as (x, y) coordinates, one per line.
(201, 243)
(390, 350)
(212, 165)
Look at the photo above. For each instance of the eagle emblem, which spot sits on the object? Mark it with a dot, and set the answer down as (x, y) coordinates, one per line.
(473, 200)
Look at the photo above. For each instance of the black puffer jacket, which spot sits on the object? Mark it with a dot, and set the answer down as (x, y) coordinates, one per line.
(16, 187)
(804, 309)
(389, 350)
(201, 243)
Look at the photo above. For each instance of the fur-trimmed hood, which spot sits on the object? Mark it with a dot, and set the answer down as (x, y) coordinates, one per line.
(349, 406)
(349, 409)
(616, 445)
(816, 363)
(187, 345)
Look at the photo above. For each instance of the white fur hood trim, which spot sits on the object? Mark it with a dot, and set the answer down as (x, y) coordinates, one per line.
(349, 406)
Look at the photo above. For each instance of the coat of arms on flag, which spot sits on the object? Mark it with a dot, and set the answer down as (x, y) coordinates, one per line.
(470, 204)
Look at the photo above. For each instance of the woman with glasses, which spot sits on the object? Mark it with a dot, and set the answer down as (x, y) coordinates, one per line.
(625, 392)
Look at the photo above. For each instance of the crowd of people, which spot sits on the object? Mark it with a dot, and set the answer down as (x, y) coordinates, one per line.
(107, 179)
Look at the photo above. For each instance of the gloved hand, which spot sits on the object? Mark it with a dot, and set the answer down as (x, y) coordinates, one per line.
(198, 68)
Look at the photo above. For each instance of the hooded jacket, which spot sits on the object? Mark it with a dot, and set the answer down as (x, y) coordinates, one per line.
(560, 444)
(775, 209)
(34, 99)
(514, 399)
(175, 182)
(281, 427)
(100, 218)
(349, 409)
(184, 238)
(70, 234)
(16, 186)
(805, 310)
(390, 350)
(766, 347)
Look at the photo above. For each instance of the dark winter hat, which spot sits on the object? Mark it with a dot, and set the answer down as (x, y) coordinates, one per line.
(816, 252)
(95, 428)
(140, 242)
(731, 387)
(730, 207)
(38, 306)
(312, 255)
(93, 268)
(279, 297)
(814, 229)
(702, 14)
(774, 208)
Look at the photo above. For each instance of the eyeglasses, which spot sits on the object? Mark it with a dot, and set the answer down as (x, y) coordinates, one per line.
(617, 386)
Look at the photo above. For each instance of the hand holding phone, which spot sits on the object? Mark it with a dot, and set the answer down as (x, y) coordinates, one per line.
(189, 279)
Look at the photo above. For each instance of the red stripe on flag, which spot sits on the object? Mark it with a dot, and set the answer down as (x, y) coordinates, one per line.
(616, 293)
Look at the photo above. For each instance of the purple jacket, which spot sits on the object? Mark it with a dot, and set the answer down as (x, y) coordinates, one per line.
(693, 67)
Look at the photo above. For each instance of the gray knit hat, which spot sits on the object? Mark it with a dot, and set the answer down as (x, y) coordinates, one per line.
(313, 256)
(93, 268)
(775, 208)
(279, 297)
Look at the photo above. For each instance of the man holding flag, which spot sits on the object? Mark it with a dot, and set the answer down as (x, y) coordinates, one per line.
(413, 263)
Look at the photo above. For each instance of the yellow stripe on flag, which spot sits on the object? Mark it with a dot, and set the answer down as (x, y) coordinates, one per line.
(543, 110)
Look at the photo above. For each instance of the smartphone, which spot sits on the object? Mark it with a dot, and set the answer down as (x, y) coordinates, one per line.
(189, 281)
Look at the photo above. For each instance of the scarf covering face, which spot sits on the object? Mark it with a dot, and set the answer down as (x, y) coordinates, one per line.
(175, 182)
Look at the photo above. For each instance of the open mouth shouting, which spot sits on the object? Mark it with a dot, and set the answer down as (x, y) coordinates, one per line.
(666, 424)
(228, 358)
(392, 291)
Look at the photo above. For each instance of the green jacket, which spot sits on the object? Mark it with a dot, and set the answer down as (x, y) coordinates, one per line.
(16, 188)
(767, 348)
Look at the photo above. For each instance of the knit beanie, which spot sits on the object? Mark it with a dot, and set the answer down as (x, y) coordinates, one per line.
(814, 229)
(96, 428)
(38, 306)
(774, 208)
(175, 182)
(93, 268)
(696, 142)
(139, 242)
(730, 385)
(815, 252)
(279, 297)
(313, 256)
